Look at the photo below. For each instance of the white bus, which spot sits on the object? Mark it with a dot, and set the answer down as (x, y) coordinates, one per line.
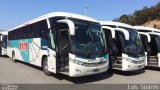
(125, 47)
(3, 43)
(61, 42)
(151, 45)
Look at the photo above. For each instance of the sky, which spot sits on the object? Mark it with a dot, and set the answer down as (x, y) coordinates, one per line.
(15, 12)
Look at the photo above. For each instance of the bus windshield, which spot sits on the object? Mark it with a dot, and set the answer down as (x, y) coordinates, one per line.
(133, 46)
(88, 40)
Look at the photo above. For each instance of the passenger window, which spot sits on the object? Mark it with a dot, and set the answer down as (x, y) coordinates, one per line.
(43, 29)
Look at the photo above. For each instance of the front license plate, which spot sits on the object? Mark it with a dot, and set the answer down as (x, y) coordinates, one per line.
(95, 70)
(139, 66)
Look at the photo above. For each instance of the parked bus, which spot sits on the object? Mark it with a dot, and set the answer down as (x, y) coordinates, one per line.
(152, 47)
(125, 47)
(61, 42)
(3, 43)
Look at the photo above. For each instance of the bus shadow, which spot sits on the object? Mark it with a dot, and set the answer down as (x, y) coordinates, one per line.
(75, 80)
(129, 73)
(30, 65)
(152, 68)
(4, 56)
(84, 79)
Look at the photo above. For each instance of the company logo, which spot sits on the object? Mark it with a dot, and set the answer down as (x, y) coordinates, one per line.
(23, 46)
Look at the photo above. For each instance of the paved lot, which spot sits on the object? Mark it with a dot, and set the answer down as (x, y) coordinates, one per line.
(21, 73)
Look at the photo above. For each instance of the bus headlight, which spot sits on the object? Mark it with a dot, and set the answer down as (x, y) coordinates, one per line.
(129, 60)
(138, 61)
(144, 58)
(89, 64)
(76, 62)
(80, 63)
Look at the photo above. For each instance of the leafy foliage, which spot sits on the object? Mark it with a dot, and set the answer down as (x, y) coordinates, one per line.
(139, 17)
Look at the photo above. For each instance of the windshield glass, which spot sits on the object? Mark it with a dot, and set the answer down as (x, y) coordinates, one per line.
(133, 46)
(88, 40)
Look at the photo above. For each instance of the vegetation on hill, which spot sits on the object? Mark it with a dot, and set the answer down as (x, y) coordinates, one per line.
(140, 17)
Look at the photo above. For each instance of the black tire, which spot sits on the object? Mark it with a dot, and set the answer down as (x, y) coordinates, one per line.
(13, 57)
(45, 67)
(110, 68)
(110, 65)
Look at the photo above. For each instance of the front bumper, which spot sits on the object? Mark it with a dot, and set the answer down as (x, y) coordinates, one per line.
(76, 70)
(129, 66)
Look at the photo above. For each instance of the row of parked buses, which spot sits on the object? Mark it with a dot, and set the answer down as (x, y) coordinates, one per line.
(77, 45)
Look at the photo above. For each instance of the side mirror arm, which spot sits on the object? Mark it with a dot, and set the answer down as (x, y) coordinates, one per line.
(146, 34)
(111, 29)
(124, 31)
(70, 25)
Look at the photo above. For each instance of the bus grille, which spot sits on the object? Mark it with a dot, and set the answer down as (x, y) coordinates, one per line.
(94, 64)
(138, 62)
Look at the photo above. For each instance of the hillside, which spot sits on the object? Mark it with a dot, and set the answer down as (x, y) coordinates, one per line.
(147, 16)
(153, 23)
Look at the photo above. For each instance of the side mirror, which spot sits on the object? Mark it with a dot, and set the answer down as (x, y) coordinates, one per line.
(70, 25)
(111, 29)
(126, 33)
(147, 35)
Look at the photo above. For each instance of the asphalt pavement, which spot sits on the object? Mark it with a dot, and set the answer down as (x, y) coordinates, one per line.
(22, 73)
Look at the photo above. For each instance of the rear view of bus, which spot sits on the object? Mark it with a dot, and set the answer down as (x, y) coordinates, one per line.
(3, 43)
(125, 47)
(61, 42)
(151, 44)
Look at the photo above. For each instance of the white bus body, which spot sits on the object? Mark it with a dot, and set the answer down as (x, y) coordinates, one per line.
(3, 43)
(125, 53)
(152, 46)
(65, 43)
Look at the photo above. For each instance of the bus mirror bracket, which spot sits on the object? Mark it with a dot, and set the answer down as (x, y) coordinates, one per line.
(70, 25)
(111, 29)
(124, 31)
(146, 34)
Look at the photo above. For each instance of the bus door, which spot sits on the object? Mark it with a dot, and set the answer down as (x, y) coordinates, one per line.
(113, 50)
(145, 44)
(63, 45)
(146, 47)
(154, 46)
(119, 40)
(152, 57)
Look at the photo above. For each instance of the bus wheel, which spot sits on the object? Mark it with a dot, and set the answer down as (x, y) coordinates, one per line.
(110, 66)
(45, 67)
(13, 57)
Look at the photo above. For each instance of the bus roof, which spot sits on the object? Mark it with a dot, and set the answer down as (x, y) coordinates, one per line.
(3, 32)
(115, 24)
(55, 14)
(147, 28)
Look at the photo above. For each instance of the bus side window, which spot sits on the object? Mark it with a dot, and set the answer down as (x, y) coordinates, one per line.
(25, 32)
(14, 35)
(33, 31)
(43, 29)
